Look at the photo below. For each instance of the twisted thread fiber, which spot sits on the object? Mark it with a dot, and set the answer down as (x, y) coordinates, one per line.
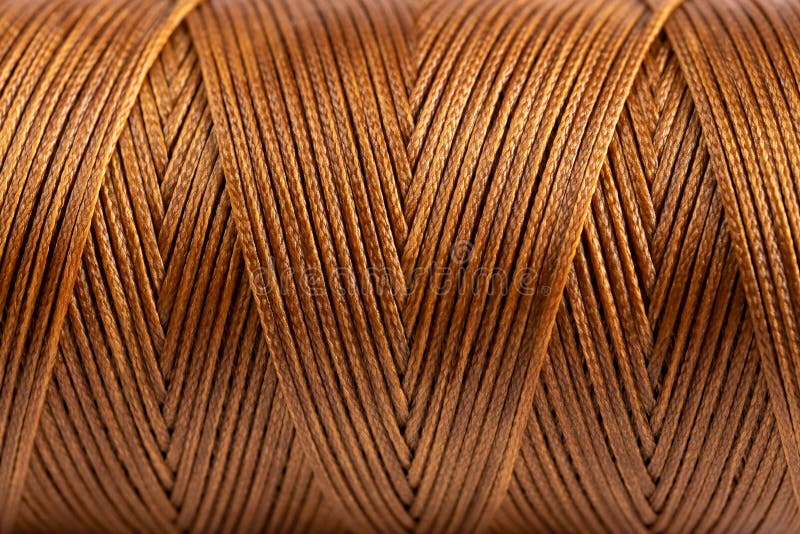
(399, 265)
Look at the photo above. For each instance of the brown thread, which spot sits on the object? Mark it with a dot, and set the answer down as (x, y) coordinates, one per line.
(391, 265)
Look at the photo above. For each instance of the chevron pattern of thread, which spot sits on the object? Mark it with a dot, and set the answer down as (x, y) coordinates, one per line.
(400, 265)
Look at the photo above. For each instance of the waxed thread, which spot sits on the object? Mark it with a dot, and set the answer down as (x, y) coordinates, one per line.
(387, 265)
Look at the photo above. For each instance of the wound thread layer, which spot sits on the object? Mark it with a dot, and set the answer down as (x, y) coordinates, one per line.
(394, 265)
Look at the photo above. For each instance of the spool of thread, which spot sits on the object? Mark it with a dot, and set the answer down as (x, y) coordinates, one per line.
(399, 265)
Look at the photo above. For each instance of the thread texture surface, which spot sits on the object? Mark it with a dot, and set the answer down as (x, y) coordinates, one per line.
(400, 265)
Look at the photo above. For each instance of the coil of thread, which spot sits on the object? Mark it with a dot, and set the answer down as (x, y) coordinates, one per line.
(399, 265)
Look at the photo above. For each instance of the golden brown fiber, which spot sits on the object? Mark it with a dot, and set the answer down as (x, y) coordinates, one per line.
(400, 265)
